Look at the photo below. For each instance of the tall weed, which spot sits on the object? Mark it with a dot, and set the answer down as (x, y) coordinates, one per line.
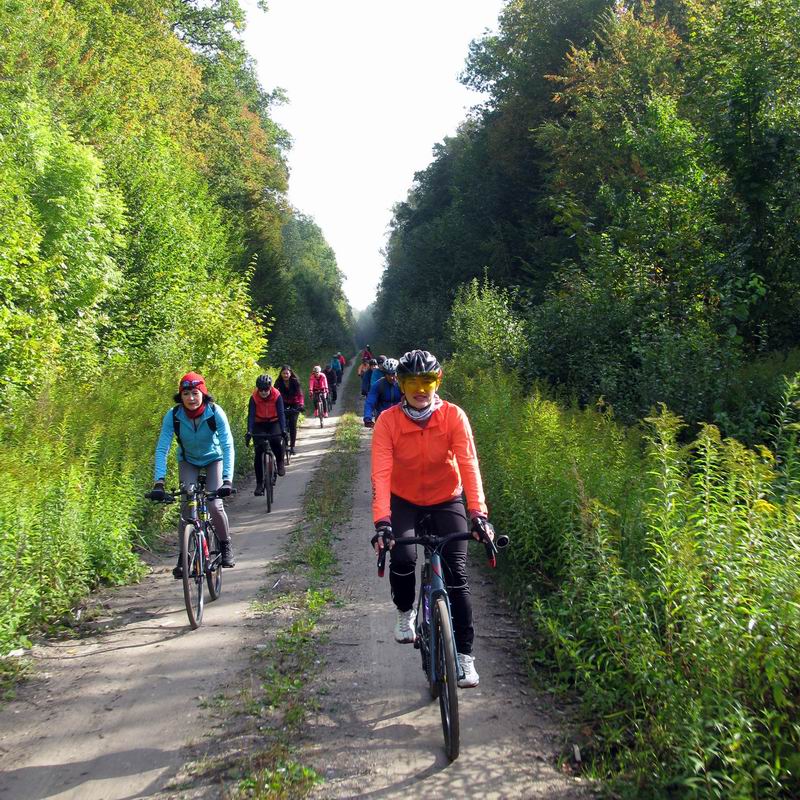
(664, 581)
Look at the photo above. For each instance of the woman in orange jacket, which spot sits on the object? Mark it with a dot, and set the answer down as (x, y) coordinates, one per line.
(423, 458)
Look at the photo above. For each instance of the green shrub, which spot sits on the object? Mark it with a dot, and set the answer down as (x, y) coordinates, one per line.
(663, 579)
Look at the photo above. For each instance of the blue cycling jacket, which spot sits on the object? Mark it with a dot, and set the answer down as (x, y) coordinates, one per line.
(381, 396)
(201, 445)
(366, 380)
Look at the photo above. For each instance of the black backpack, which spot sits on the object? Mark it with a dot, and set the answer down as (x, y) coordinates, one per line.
(176, 425)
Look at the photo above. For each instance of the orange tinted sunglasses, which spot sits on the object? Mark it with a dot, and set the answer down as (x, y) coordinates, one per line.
(419, 383)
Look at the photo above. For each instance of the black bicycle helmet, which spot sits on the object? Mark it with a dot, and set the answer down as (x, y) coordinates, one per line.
(264, 382)
(418, 362)
(381, 359)
(373, 362)
(389, 366)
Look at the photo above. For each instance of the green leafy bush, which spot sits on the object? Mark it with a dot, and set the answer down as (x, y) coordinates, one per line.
(663, 580)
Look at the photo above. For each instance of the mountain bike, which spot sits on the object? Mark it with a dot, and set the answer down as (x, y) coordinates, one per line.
(320, 405)
(434, 624)
(269, 469)
(201, 556)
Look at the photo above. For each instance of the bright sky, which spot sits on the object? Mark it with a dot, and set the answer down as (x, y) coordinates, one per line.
(372, 86)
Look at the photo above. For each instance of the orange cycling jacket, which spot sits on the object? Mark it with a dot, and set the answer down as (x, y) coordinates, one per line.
(424, 466)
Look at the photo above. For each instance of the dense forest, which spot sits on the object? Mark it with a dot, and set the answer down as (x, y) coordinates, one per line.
(144, 231)
(633, 178)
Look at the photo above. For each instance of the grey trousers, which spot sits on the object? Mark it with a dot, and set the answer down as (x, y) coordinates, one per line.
(188, 474)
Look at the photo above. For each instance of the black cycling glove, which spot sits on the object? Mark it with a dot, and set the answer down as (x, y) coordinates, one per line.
(483, 528)
(383, 530)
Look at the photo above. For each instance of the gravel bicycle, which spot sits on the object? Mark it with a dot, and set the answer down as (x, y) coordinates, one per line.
(269, 468)
(201, 556)
(434, 624)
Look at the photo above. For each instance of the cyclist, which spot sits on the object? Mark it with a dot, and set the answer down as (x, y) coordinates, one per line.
(266, 424)
(377, 370)
(293, 401)
(423, 457)
(366, 352)
(366, 376)
(336, 366)
(363, 366)
(204, 443)
(384, 393)
(342, 360)
(318, 384)
(330, 376)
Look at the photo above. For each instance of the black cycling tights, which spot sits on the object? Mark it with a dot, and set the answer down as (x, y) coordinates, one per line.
(449, 517)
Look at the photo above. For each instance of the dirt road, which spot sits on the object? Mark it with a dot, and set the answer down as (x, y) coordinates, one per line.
(378, 734)
(107, 715)
(111, 715)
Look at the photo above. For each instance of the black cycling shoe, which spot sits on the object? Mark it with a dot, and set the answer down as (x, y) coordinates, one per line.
(177, 572)
(281, 470)
(259, 492)
(226, 551)
(291, 451)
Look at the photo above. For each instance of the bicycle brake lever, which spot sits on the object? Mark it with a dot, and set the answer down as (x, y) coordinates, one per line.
(491, 553)
(382, 562)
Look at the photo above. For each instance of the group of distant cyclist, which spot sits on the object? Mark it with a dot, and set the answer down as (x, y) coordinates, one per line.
(205, 441)
(424, 463)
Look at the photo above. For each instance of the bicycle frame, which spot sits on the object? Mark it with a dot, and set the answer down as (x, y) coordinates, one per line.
(197, 507)
(428, 595)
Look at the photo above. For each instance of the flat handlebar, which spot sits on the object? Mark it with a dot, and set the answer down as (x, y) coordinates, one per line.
(171, 497)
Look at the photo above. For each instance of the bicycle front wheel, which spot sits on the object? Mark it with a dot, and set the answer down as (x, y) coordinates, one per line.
(193, 574)
(447, 675)
(214, 565)
(321, 412)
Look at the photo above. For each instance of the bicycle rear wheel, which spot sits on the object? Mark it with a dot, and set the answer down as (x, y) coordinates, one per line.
(214, 565)
(447, 674)
(193, 574)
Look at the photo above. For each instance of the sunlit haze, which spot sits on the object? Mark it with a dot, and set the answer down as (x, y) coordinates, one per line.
(372, 86)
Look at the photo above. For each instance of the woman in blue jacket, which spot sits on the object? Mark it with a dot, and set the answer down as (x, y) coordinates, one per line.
(384, 392)
(205, 444)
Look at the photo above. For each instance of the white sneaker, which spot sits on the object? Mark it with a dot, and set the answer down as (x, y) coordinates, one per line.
(471, 678)
(404, 629)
